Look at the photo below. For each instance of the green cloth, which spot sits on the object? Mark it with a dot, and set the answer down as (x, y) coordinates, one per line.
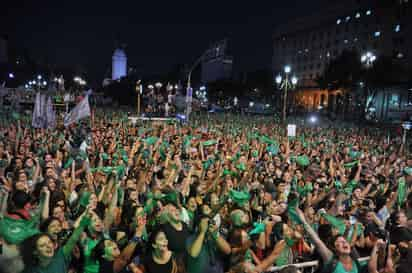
(303, 191)
(209, 143)
(267, 140)
(350, 186)
(293, 215)
(239, 197)
(258, 228)
(68, 163)
(354, 154)
(90, 265)
(337, 223)
(84, 199)
(401, 191)
(241, 166)
(302, 160)
(151, 140)
(272, 150)
(351, 164)
(16, 231)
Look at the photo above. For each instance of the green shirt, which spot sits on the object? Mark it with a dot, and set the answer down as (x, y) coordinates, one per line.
(90, 265)
(59, 263)
(340, 269)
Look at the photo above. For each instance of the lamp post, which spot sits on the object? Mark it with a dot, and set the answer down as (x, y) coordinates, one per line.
(285, 83)
(189, 89)
(139, 90)
(407, 125)
(367, 60)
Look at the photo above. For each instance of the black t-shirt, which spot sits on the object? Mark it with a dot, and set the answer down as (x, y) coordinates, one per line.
(151, 266)
(177, 239)
(107, 267)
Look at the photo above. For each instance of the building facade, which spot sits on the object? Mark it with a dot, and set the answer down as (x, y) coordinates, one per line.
(119, 64)
(310, 43)
(216, 63)
(3, 50)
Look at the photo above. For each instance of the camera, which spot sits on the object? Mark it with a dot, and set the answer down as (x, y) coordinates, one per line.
(380, 234)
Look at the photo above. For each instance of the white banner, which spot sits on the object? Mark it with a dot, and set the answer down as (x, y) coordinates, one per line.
(81, 110)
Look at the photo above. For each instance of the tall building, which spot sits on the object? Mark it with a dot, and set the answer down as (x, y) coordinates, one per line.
(216, 63)
(309, 43)
(3, 50)
(119, 64)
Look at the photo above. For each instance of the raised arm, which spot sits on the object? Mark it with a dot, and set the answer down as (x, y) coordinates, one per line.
(323, 250)
(124, 258)
(266, 263)
(74, 238)
(196, 247)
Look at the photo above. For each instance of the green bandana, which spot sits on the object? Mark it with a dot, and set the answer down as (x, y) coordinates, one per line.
(401, 191)
(239, 197)
(302, 160)
(258, 228)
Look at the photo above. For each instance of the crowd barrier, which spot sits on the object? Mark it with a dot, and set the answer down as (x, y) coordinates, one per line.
(306, 266)
(135, 119)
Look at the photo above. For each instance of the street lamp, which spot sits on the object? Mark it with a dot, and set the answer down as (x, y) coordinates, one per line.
(407, 125)
(189, 89)
(11, 75)
(158, 85)
(285, 83)
(139, 90)
(367, 59)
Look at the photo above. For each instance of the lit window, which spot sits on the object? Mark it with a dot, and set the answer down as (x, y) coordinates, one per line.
(338, 21)
(306, 50)
(347, 18)
(377, 33)
(357, 15)
(368, 12)
(355, 40)
(345, 41)
(397, 28)
(399, 55)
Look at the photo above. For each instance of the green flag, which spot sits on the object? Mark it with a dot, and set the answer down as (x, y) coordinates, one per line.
(16, 231)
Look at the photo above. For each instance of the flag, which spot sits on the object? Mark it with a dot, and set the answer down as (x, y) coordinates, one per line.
(38, 119)
(81, 110)
(16, 231)
(50, 115)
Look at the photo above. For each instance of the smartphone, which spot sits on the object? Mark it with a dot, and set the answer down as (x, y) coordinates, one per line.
(9, 176)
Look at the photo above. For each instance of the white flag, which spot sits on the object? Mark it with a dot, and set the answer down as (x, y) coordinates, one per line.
(81, 110)
(50, 115)
(38, 112)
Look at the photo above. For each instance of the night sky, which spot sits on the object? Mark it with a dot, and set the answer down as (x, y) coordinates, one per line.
(158, 34)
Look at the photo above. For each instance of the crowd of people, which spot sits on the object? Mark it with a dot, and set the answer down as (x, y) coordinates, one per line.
(225, 193)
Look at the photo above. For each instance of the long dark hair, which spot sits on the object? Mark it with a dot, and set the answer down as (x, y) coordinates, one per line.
(28, 248)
